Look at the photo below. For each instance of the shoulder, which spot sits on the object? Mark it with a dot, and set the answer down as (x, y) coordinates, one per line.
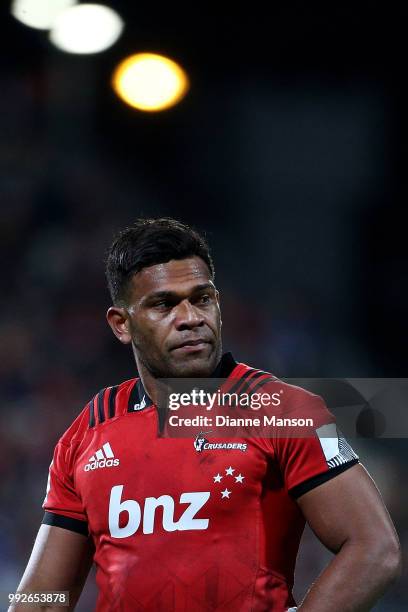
(107, 404)
(292, 397)
(250, 378)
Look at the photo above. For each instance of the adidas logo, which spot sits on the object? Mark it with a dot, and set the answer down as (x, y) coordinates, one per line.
(141, 405)
(103, 457)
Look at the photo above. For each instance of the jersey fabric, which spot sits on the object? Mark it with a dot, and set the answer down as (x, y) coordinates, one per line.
(177, 525)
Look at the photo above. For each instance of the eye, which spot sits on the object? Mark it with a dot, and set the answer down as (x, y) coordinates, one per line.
(205, 299)
(163, 305)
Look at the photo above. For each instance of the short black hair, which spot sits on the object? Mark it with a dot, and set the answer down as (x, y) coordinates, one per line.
(149, 242)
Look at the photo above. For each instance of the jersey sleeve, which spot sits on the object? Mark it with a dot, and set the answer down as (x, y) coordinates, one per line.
(318, 453)
(62, 504)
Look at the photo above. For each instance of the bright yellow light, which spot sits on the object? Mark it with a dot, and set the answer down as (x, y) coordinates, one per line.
(150, 82)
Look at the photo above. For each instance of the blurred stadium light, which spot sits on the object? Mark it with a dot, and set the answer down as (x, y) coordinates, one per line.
(86, 28)
(39, 14)
(150, 82)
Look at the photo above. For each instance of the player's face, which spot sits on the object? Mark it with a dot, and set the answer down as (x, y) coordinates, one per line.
(174, 319)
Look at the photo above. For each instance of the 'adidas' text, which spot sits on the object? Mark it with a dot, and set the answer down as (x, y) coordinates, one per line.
(104, 457)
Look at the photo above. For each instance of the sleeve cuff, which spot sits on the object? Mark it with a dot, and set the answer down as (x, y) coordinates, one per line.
(59, 520)
(315, 481)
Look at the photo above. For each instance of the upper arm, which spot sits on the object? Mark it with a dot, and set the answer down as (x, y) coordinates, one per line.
(60, 561)
(348, 507)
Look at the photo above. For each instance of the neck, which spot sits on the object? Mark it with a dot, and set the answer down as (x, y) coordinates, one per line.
(153, 386)
(156, 389)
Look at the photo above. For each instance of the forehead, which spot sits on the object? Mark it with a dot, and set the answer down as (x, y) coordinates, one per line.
(176, 275)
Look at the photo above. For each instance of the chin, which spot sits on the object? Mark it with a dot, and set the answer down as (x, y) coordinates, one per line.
(197, 367)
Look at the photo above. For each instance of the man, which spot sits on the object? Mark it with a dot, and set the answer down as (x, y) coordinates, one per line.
(173, 523)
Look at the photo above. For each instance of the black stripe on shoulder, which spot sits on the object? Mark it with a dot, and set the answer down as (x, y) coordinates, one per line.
(99, 403)
(261, 383)
(58, 520)
(91, 413)
(112, 401)
(240, 381)
(247, 387)
(315, 481)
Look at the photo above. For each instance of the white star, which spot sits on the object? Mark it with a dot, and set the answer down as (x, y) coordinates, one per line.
(229, 471)
(217, 478)
(239, 478)
(225, 493)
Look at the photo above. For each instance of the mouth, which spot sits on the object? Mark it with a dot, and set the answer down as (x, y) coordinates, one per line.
(191, 345)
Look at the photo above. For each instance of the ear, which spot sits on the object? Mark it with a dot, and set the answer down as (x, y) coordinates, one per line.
(217, 297)
(118, 320)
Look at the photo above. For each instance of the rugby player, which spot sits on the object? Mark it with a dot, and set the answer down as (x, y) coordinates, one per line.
(175, 524)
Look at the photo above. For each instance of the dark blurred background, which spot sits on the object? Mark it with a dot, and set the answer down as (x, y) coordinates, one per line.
(289, 152)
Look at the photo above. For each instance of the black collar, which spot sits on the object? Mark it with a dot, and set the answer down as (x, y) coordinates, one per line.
(225, 367)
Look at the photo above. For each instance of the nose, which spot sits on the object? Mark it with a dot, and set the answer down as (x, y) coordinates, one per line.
(187, 316)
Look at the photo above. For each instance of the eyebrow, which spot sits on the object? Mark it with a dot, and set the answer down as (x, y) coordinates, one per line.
(172, 294)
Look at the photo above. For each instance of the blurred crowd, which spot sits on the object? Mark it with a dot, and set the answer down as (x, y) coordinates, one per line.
(57, 350)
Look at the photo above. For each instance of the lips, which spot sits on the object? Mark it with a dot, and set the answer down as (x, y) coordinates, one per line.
(194, 342)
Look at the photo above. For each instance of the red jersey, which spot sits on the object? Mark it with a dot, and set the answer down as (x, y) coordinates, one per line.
(181, 525)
